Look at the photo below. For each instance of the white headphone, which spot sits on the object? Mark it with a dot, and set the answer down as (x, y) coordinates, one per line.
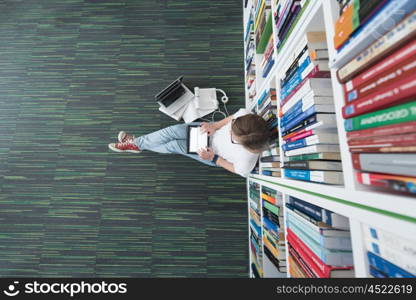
(224, 98)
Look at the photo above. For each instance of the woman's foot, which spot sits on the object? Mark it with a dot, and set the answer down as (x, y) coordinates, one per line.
(125, 137)
(128, 146)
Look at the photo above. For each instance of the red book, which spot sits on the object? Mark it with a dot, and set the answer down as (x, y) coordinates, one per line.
(300, 135)
(389, 77)
(312, 74)
(386, 64)
(393, 149)
(393, 93)
(310, 257)
(301, 263)
(391, 182)
(400, 128)
(385, 141)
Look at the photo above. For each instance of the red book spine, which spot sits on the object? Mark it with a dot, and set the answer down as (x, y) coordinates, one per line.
(302, 135)
(383, 180)
(301, 263)
(389, 77)
(389, 62)
(385, 141)
(314, 263)
(315, 72)
(355, 157)
(400, 128)
(396, 92)
(392, 149)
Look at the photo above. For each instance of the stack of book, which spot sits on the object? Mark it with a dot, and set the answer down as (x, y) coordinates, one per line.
(380, 109)
(319, 241)
(262, 25)
(307, 114)
(268, 58)
(267, 109)
(389, 255)
(255, 230)
(273, 228)
(250, 61)
(285, 17)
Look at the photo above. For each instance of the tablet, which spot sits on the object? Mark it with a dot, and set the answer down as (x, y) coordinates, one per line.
(196, 139)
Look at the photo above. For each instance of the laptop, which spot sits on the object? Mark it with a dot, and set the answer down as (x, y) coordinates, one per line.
(174, 97)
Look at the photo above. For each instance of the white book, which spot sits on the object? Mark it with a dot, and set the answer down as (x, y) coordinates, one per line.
(310, 100)
(405, 246)
(313, 149)
(318, 86)
(394, 256)
(323, 121)
(322, 138)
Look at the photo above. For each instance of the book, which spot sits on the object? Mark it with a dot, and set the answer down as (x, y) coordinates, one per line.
(405, 262)
(386, 96)
(316, 156)
(328, 177)
(320, 214)
(313, 149)
(363, 58)
(316, 265)
(301, 134)
(273, 158)
(314, 165)
(398, 243)
(401, 128)
(397, 164)
(391, 76)
(271, 165)
(325, 120)
(328, 257)
(265, 35)
(288, 25)
(378, 142)
(392, 115)
(268, 67)
(389, 63)
(329, 138)
(303, 106)
(395, 183)
(320, 231)
(271, 173)
(387, 267)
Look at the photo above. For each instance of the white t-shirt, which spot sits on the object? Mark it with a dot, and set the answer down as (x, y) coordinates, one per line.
(243, 160)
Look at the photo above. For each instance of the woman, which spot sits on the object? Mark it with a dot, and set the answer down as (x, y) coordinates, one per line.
(236, 142)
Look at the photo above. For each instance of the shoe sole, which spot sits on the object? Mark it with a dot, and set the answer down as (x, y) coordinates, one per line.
(111, 147)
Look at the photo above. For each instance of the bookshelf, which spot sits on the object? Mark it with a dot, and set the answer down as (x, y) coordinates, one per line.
(359, 203)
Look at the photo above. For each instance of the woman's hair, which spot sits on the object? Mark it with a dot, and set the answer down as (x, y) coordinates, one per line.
(252, 132)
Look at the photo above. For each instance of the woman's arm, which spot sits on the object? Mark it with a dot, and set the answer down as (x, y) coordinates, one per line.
(225, 164)
(223, 122)
(208, 154)
(210, 128)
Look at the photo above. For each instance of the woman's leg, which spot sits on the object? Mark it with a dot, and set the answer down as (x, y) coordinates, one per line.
(163, 136)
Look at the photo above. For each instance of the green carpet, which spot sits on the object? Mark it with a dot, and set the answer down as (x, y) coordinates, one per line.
(72, 74)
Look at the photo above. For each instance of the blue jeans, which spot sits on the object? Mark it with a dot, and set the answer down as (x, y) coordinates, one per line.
(172, 139)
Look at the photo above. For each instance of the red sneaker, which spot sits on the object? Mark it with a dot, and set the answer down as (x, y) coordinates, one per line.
(124, 147)
(124, 137)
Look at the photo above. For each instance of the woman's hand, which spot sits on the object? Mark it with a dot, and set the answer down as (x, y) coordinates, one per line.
(209, 128)
(206, 154)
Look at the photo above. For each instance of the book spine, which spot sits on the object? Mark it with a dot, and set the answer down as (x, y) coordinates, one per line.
(304, 124)
(399, 34)
(295, 79)
(304, 270)
(393, 115)
(391, 77)
(401, 128)
(387, 267)
(404, 149)
(386, 141)
(391, 182)
(303, 134)
(400, 90)
(389, 63)
(305, 175)
(307, 208)
(267, 68)
(296, 110)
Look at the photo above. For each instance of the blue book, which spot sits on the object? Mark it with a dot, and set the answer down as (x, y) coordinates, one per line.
(248, 28)
(376, 273)
(295, 80)
(328, 257)
(387, 267)
(256, 228)
(294, 145)
(295, 121)
(294, 111)
(262, 98)
(270, 225)
(268, 67)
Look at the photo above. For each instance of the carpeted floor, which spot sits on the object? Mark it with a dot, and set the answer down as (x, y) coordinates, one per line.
(72, 74)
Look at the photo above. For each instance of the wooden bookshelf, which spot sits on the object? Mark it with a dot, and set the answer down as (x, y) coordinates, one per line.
(361, 204)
